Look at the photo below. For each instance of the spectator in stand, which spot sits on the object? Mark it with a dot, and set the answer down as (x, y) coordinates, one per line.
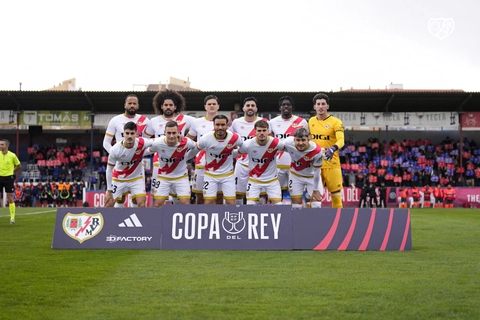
(438, 194)
(46, 197)
(449, 195)
(382, 190)
(477, 176)
(72, 200)
(27, 195)
(56, 196)
(427, 194)
(363, 196)
(415, 192)
(64, 197)
(35, 193)
(403, 197)
(17, 194)
(372, 192)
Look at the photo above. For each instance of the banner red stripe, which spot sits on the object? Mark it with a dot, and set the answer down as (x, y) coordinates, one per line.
(387, 232)
(323, 245)
(349, 235)
(368, 234)
(405, 234)
(85, 225)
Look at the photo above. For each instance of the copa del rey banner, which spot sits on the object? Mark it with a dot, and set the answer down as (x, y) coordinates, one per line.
(351, 197)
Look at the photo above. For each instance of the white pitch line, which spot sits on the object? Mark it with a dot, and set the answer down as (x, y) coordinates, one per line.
(29, 213)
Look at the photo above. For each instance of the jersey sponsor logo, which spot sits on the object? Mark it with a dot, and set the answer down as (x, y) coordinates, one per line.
(320, 137)
(82, 226)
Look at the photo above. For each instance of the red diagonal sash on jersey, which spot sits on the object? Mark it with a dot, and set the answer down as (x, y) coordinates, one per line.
(258, 170)
(304, 161)
(140, 125)
(136, 160)
(179, 120)
(214, 165)
(178, 154)
(290, 130)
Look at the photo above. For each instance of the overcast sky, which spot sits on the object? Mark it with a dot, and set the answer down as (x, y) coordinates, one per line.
(241, 45)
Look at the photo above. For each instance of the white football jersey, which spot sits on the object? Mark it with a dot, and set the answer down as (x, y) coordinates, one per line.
(283, 128)
(218, 153)
(116, 124)
(172, 159)
(127, 162)
(156, 127)
(262, 160)
(246, 131)
(200, 127)
(303, 162)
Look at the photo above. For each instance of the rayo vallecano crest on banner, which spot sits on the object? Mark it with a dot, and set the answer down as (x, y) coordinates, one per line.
(82, 226)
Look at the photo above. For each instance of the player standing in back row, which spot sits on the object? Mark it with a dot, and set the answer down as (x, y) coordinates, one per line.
(200, 127)
(282, 127)
(327, 131)
(168, 104)
(115, 126)
(244, 126)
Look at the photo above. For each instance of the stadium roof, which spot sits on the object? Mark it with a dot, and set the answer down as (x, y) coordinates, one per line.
(348, 100)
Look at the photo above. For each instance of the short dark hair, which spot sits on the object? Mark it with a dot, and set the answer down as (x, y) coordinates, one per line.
(249, 99)
(285, 98)
(261, 124)
(300, 133)
(171, 124)
(130, 126)
(220, 117)
(210, 97)
(6, 142)
(131, 96)
(320, 96)
(161, 96)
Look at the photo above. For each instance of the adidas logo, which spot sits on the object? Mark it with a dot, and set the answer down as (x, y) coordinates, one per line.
(131, 222)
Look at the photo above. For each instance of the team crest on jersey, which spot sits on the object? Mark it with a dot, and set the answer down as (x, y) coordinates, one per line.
(181, 149)
(138, 151)
(307, 158)
(230, 146)
(82, 226)
(270, 150)
(327, 126)
(296, 125)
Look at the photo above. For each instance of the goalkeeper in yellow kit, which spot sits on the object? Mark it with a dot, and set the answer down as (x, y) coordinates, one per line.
(328, 132)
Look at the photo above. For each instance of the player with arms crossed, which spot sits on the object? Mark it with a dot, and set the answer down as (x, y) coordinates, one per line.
(327, 131)
(116, 124)
(172, 172)
(218, 146)
(282, 127)
(305, 169)
(244, 126)
(168, 104)
(262, 152)
(200, 127)
(125, 170)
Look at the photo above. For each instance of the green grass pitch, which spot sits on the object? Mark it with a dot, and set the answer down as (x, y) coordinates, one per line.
(438, 279)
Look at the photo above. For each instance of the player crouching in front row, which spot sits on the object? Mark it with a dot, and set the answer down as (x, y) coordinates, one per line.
(305, 169)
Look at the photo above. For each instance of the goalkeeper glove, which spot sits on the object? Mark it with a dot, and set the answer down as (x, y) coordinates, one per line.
(329, 153)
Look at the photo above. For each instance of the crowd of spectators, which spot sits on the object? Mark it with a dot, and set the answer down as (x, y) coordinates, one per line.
(411, 163)
(48, 194)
